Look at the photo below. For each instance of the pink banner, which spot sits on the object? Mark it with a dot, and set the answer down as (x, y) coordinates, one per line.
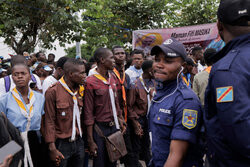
(191, 36)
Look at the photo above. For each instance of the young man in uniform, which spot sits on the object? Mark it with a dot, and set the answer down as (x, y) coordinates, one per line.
(175, 113)
(101, 107)
(186, 74)
(139, 99)
(227, 109)
(123, 81)
(135, 70)
(62, 125)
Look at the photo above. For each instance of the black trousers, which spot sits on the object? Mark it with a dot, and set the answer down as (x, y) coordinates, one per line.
(73, 152)
(129, 160)
(141, 145)
(102, 159)
(38, 149)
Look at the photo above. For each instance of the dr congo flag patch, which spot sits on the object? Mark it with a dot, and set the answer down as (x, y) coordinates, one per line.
(224, 94)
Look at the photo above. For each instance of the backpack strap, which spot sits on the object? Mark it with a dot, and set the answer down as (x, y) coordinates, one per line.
(33, 78)
(7, 83)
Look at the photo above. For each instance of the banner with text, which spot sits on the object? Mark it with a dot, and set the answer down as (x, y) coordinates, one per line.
(191, 36)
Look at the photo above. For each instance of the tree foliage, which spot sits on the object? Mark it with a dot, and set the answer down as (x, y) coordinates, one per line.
(190, 12)
(27, 23)
(111, 22)
(103, 23)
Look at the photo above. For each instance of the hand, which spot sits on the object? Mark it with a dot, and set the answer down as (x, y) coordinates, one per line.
(138, 128)
(123, 128)
(123, 125)
(93, 148)
(7, 161)
(56, 156)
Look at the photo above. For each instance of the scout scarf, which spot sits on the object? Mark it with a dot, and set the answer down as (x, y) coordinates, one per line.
(187, 80)
(76, 111)
(27, 114)
(148, 93)
(112, 97)
(208, 69)
(123, 91)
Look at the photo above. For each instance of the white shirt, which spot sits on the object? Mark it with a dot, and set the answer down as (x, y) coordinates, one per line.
(200, 67)
(13, 85)
(50, 80)
(92, 71)
(133, 73)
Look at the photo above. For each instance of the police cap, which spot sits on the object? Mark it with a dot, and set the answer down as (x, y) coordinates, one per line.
(231, 11)
(171, 48)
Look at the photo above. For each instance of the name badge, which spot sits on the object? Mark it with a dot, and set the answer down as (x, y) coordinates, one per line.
(63, 113)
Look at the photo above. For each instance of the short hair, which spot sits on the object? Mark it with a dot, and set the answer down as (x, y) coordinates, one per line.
(71, 64)
(92, 59)
(52, 54)
(195, 49)
(208, 54)
(20, 63)
(61, 62)
(100, 53)
(147, 64)
(189, 61)
(19, 59)
(136, 51)
(37, 54)
(116, 47)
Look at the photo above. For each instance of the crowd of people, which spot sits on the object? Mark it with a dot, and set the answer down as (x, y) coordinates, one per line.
(169, 109)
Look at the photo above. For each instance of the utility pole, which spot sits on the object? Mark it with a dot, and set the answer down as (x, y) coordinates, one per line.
(78, 48)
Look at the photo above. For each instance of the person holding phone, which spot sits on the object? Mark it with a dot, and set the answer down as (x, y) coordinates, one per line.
(24, 108)
(7, 161)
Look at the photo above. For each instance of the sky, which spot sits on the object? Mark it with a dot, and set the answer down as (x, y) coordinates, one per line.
(59, 52)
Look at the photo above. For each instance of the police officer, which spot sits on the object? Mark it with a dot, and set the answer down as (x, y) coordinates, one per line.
(175, 112)
(227, 108)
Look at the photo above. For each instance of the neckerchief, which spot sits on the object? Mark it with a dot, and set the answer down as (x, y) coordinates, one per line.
(112, 97)
(123, 91)
(27, 114)
(148, 93)
(187, 80)
(208, 69)
(76, 111)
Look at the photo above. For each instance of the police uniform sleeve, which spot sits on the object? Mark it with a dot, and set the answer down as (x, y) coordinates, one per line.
(231, 94)
(187, 118)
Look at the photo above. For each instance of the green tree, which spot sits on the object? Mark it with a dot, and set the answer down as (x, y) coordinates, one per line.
(31, 22)
(86, 51)
(190, 12)
(110, 22)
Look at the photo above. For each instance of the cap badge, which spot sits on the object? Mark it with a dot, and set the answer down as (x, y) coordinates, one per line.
(168, 41)
(242, 11)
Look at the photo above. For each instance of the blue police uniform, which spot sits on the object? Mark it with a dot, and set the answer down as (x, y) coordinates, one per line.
(174, 117)
(227, 108)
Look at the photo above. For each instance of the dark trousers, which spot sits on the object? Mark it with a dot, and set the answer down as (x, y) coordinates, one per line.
(141, 145)
(38, 150)
(73, 152)
(129, 160)
(102, 159)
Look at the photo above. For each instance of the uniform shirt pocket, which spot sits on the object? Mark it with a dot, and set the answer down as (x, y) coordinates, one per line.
(163, 125)
(63, 111)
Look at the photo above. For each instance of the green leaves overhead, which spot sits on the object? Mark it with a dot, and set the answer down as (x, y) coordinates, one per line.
(101, 23)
